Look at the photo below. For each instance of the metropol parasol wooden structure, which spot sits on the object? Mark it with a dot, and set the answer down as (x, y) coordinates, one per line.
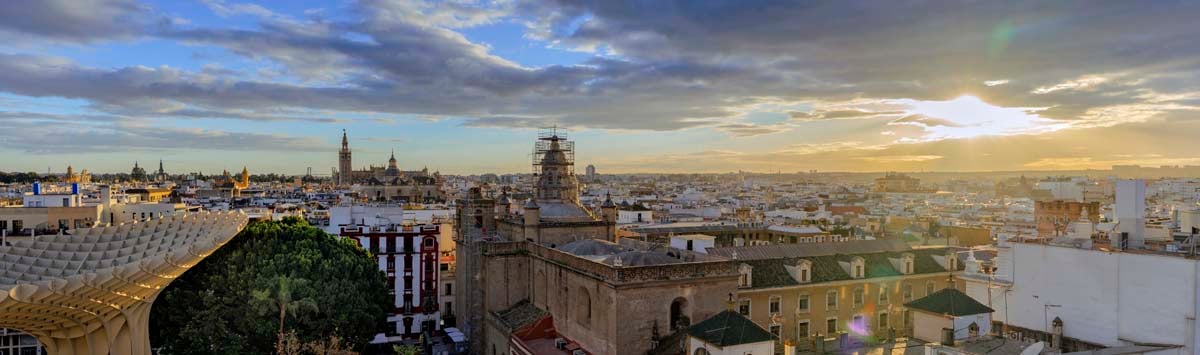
(90, 291)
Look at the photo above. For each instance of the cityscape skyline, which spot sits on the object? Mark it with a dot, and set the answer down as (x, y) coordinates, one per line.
(215, 85)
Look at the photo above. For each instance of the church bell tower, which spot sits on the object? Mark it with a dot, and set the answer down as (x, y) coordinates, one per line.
(345, 176)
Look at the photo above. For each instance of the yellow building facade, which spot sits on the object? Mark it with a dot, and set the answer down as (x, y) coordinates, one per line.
(799, 299)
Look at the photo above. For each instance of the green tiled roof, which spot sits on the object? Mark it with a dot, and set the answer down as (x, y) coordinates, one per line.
(768, 273)
(949, 301)
(729, 328)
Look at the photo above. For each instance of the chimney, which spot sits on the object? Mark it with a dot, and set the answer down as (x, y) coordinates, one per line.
(1056, 333)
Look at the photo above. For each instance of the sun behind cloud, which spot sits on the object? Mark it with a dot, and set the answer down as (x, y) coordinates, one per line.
(968, 116)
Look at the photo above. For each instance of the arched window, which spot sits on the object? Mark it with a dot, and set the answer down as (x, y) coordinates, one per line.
(583, 312)
(700, 351)
(679, 313)
(539, 289)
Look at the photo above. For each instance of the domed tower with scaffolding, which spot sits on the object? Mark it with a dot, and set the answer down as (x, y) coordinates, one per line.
(554, 215)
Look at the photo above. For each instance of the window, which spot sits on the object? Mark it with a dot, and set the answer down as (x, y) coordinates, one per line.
(831, 326)
(805, 267)
(744, 279)
(883, 320)
(859, 295)
(858, 271)
(802, 330)
(774, 305)
(883, 294)
(802, 303)
(929, 288)
(744, 306)
(858, 322)
(831, 299)
(449, 289)
(908, 292)
(775, 330)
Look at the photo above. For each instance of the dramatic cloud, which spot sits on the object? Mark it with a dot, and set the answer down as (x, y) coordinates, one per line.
(917, 73)
(31, 131)
(73, 20)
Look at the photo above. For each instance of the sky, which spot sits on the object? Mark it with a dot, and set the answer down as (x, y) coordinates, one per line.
(462, 86)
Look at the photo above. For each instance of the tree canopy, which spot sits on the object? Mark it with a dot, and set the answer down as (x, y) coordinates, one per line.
(217, 307)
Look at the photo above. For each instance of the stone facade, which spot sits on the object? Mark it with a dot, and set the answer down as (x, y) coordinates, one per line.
(799, 299)
(1053, 216)
(606, 309)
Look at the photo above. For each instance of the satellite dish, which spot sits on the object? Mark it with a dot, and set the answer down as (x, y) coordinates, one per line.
(1034, 349)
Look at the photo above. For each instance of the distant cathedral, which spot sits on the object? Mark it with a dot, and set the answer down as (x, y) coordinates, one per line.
(138, 173)
(82, 177)
(379, 183)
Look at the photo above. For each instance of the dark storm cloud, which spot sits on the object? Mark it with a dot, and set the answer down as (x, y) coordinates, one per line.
(74, 20)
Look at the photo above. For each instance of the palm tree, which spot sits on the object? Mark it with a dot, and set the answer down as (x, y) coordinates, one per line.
(281, 296)
(406, 349)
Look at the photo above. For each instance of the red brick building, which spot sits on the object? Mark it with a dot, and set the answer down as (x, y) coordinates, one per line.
(1054, 216)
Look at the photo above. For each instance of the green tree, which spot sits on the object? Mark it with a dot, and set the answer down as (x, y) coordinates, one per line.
(212, 308)
(282, 297)
(406, 349)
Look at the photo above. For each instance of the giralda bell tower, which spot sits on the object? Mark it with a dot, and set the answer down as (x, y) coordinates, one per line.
(345, 176)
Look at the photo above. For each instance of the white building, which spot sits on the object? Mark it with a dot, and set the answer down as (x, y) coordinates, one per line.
(635, 216)
(694, 242)
(1103, 296)
(1130, 209)
(1068, 190)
